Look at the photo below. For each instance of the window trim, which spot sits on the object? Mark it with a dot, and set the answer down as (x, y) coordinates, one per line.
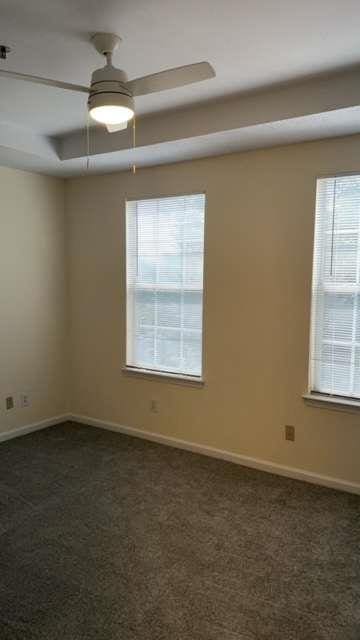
(166, 376)
(331, 402)
(312, 397)
(158, 375)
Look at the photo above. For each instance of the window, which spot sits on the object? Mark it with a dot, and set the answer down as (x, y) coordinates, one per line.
(335, 330)
(164, 265)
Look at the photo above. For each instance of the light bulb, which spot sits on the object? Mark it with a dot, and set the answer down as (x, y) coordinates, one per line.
(111, 114)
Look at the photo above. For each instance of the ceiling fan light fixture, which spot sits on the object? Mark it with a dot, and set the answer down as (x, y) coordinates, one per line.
(111, 107)
(111, 94)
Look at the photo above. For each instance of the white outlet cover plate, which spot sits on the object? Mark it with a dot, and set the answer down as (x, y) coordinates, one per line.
(24, 400)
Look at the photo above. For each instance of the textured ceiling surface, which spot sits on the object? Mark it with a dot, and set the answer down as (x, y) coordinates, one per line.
(252, 44)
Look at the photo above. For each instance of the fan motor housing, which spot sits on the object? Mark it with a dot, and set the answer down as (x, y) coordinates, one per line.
(107, 85)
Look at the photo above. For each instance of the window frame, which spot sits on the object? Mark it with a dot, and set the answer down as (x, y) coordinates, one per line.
(155, 374)
(318, 399)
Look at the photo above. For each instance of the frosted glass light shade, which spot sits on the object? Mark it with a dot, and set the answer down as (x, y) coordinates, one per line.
(111, 114)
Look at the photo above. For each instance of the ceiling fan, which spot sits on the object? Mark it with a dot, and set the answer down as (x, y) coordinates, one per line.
(111, 94)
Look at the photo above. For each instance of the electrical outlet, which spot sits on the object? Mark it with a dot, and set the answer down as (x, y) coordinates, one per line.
(9, 403)
(289, 432)
(154, 406)
(24, 400)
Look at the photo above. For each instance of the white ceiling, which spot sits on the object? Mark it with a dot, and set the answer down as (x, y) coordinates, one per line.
(252, 44)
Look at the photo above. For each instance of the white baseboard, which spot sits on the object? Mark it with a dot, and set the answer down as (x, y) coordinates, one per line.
(246, 461)
(35, 426)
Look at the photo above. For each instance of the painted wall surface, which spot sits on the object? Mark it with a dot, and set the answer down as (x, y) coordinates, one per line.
(33, 297)
(259, 239)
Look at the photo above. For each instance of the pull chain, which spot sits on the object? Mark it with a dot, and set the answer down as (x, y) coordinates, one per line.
(133, 168)
(88, 143)
(333, 231)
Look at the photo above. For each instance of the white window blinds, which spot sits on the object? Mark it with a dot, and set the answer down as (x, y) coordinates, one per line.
(164, 266)
(335, 331)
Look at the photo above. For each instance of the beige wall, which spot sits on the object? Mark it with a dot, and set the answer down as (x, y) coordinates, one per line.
(33, 297)
(258, 271)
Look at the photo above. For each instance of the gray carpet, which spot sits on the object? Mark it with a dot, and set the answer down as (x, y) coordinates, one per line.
(109, 537)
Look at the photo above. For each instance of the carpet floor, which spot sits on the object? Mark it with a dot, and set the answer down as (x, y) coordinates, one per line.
(108, 537)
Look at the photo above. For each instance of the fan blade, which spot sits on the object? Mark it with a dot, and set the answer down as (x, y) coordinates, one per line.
(171, 78)
(112, 128)
(37, 80)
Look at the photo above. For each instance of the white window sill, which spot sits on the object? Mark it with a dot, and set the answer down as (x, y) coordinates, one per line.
(334, 402)
(175, 378)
